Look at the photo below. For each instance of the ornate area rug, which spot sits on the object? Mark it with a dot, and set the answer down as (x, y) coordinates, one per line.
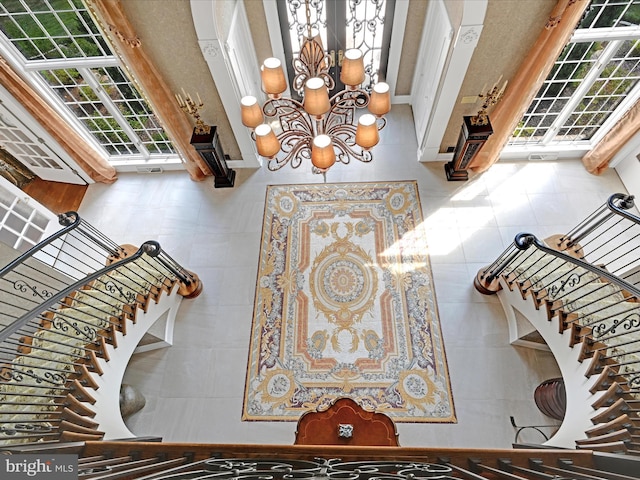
(344, 306)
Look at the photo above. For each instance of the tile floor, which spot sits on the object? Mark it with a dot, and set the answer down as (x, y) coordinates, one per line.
(194, 389)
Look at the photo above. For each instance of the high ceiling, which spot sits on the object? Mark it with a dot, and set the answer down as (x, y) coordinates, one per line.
(166, 30)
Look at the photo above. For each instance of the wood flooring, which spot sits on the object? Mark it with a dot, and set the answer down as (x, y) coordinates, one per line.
(57, 197)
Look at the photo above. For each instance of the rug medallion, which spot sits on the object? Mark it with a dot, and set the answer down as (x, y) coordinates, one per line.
(344, 306)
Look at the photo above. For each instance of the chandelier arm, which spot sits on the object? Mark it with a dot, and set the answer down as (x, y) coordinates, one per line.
(358, 97)
(343, 107)
(345, 131)
(290, 113)
(273, 106)
(346, 152)
(295, 147)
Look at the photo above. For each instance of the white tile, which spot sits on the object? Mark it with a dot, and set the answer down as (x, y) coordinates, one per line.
(481, 244)
(194, 389)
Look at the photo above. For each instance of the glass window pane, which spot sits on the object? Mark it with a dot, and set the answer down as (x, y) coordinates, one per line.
(8, 238)
(33, 235)
(611, 13)
(80, 97)
(610, 68)
(56, 28)
(63, 29)
(134, 109)
(365, 25)
(618, 77)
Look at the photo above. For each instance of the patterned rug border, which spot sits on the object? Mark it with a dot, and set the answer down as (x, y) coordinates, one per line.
(452, 418)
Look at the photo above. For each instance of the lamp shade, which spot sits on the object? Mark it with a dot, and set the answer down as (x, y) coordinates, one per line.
(367, 135)
(322, 154)
(380, 102)
(273, 79)
(267, 143)
(352, 72)
(251, 112)
(316, 97)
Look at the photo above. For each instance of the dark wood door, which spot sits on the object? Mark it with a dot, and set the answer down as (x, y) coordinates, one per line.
(342, 24)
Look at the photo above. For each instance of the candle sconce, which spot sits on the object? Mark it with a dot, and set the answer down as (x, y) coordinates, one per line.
(475, 131)
(491, 97)
(206, 142)
(190, 107)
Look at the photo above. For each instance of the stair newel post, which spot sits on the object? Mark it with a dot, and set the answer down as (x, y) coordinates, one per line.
(487, 280)
(190, 283)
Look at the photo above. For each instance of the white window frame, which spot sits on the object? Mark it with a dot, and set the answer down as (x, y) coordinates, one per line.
(31, 68)
(550, 149)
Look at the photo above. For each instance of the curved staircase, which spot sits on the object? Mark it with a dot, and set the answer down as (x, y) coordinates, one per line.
(580, 292)
(72, 311)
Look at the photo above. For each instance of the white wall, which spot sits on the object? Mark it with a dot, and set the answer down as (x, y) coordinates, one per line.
(628, 170)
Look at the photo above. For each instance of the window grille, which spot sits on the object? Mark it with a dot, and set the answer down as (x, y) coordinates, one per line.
(59, 45)
(592, 83)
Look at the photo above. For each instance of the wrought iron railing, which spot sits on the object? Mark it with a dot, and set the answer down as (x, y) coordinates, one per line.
(589, 279)
(61, 303)
(157, 460)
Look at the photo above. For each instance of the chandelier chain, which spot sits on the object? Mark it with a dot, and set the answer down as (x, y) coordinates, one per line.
(308, 13)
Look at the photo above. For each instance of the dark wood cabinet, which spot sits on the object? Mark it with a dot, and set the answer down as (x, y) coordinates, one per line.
(472, 137)
(210, 150)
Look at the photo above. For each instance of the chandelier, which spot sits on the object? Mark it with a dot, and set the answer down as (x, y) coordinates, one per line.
(317, 128)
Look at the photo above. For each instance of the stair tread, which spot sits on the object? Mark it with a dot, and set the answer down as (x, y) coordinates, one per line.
(52, 351)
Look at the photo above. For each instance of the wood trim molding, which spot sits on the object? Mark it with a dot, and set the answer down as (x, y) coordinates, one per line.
(90, 160)
(456, 456)
(111, 17)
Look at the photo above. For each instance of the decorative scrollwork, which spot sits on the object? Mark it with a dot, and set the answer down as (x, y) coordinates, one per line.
(24, 287)
(571, 281)
(284, 469)
(610, 327)
(9, 374)
(312, 62)
(298, 128)
(62, 324)
(30, 373)
(117, 290)
(364, 32)
(56, 378)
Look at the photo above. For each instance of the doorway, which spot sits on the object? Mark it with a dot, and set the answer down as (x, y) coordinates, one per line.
(342, 24)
